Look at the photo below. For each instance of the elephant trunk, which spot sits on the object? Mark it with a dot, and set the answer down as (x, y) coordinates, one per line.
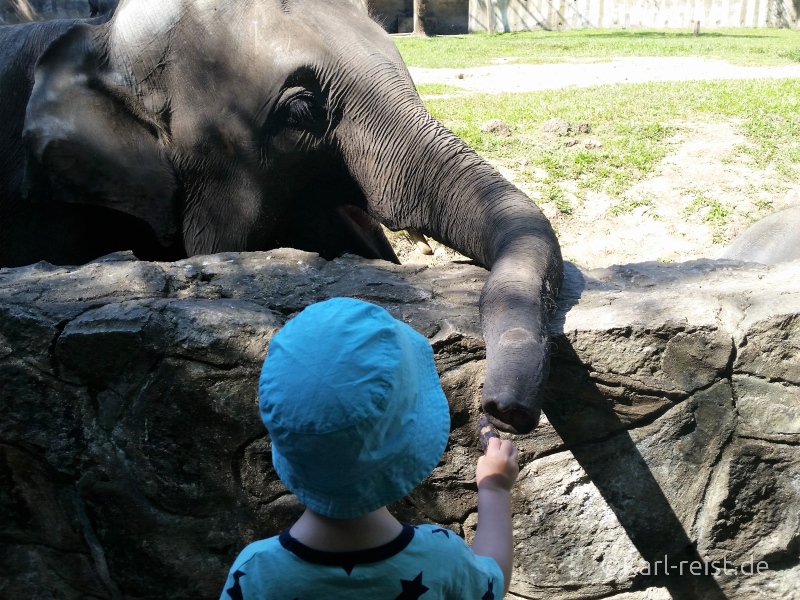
(429, 180)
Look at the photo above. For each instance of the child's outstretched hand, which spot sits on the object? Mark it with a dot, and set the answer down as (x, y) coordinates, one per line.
(496, 473)
(497, 468)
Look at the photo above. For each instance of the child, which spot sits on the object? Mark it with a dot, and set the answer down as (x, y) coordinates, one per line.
(357, 418)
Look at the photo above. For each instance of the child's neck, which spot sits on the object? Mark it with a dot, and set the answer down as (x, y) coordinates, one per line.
(346, 535)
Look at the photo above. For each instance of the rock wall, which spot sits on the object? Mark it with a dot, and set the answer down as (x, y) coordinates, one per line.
(133, 463)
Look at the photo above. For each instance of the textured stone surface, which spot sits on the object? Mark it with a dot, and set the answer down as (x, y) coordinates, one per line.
(133, 463)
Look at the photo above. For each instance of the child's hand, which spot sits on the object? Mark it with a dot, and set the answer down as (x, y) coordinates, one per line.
(498, 468)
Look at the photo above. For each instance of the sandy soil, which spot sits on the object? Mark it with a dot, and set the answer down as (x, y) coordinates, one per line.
(503, 77)
(704, 162)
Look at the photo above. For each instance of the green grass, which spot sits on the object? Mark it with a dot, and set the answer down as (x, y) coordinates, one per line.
(634, 126)
(438, 89)
(628, 205)
(553, 193)
(634, 123)
(739, 46)
(715, 214)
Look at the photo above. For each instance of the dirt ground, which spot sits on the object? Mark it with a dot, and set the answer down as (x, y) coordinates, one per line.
(703, 163)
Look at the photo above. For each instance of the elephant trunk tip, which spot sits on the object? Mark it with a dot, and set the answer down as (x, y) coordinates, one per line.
(517, 369)
(511, 418)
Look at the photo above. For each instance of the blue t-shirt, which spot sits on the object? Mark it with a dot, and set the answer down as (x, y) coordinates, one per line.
(424, 561)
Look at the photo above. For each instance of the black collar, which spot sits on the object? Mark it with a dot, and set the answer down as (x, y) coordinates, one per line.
(348, 560)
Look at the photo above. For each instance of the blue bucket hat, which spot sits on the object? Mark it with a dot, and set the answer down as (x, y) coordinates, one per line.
(354, 408)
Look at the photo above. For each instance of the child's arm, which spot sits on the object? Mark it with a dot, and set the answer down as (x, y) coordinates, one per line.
(496, 473)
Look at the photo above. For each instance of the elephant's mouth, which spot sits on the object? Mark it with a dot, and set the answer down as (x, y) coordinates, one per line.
(515, 420)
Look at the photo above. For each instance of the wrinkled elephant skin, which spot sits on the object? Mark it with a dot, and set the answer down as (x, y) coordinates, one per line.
(184, 127)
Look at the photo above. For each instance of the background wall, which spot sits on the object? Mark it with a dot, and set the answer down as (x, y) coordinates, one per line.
(460, 16)
(524, 15)
(441, 17)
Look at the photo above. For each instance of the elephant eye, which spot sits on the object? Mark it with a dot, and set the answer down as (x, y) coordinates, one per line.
(300, 109)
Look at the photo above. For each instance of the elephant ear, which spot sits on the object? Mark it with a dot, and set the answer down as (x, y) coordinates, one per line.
(90, 141)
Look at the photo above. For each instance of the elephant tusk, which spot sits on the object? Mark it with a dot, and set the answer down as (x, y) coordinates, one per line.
(420, 241)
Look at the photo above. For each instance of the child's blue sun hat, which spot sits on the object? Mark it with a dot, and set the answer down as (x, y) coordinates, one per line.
(354, 408)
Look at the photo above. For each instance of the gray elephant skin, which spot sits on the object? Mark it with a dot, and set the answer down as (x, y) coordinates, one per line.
(102, 7)
(186, 127)
(772, 240)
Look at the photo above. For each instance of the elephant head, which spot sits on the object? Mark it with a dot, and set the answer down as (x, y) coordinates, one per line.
(229, 125)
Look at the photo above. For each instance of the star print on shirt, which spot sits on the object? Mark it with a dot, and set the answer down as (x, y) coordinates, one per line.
(235, 592)
(412, 589)
(489, 595)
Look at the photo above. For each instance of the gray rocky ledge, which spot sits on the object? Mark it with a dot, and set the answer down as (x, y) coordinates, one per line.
(133, 463)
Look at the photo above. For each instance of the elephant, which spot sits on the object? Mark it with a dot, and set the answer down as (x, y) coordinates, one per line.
(102, 7)
(185, 127)
(772, 240)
